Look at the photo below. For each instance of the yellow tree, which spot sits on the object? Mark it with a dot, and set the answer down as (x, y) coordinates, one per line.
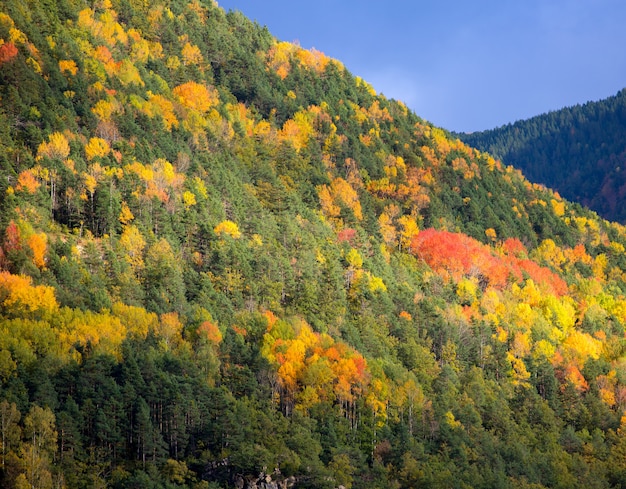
(27, 182)
(126, 216)
(68, 66)
(160, 106)
(97, 148)
(133, 243)
(191, 54)
(386, 224)
(279, 57)
(19, 297)
(549, 252)
(339, 193)
(104, 109)
(410, 229)
(136, 320)
(299, 129)
(37, 244)
(57, 147)
(170, 330)
(196, 96)
(229, 228)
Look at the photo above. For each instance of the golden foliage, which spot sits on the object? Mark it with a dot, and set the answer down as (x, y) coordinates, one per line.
(550, 253)
(279, 57)
(97, 148)
(281, 54)
(307, 359)
(142, 50)
(104, 109)
(128, 74)
(210, 331)
(136, 320)
(298, 130)
(133, 243)
(196, 96)
(313, 59)
(189, 199)
(558, 206)
(126, 216)
(191, 54)
(354, 258)
(37, 244)
(57, 147)
(387, 229)
(160, 106)
(170, 329)
(68, 66)
(104, 27)
(19, 296)
(229, 228)
(409, 230)
(159, 181)
(27, 182)
(339, 192)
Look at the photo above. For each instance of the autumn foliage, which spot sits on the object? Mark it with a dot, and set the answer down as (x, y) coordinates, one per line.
(454, 255)
(8, 51)
(38, 246)
(282, 54)
(18, 295)
(228, 228)
(57, 147)
(223, 255)
(27, 182)
(312, 367)
(196, 96)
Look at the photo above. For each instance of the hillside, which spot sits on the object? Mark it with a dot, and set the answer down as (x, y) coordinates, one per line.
(579, 151)
(225, 261)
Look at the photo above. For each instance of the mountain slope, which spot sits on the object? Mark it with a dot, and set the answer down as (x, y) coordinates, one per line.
(579, 151)
(225, 260)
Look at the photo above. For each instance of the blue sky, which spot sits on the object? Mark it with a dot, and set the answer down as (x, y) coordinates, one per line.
(464, 65)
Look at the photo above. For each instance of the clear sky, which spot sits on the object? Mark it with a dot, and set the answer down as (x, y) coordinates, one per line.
(465, 65)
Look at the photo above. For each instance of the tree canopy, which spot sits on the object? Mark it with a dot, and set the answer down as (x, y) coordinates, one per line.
(225, 260)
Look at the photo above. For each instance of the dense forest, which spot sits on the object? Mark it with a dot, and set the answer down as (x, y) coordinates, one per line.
(225, 261)
(579, 151)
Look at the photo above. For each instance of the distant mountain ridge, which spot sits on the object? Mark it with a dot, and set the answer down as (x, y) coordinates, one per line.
(579, 151)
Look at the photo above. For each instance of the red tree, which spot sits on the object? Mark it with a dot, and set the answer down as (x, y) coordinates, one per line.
(8, 51)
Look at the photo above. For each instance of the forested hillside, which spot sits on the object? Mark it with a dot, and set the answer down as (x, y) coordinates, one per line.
(227, 262)
(579, 151)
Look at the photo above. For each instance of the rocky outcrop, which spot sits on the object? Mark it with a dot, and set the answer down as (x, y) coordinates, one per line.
(264, 481)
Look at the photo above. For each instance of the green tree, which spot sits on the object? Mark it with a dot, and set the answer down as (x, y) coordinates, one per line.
(163, 279)
(9, 428)
(39, 446)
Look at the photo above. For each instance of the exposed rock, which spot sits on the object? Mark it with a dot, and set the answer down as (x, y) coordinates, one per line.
(265, 481)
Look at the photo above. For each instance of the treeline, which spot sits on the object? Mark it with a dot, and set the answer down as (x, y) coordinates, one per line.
(579, 151)
(224, 258)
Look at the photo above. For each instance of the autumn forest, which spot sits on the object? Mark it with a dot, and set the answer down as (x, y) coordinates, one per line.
(226, 261)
